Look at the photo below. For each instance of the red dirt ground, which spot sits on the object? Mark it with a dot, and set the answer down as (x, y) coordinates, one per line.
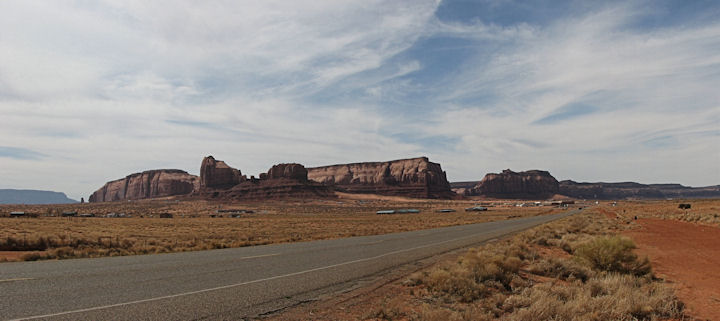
(687, 255)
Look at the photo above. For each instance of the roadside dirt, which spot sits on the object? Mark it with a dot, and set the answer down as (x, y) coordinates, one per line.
(16, 255)
(688, 256)
(368, 299)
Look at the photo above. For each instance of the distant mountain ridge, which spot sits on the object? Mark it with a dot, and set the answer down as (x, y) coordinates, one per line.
(608, 191)
(624, 190)
(29, 196)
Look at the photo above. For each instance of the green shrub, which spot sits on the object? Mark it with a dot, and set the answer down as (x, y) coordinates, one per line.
(612, 254)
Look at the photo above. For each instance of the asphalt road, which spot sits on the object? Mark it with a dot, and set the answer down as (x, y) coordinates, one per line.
(226, 284)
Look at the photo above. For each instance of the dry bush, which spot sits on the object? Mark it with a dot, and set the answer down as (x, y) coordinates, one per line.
(608, 297)
(390, 310)
(612, 254)
(474, 275)
(498, 281)
(560, 268)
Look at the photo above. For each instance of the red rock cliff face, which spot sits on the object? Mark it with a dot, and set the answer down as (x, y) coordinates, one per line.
(415, 177)
(290, 171)
(148, 184)
(218, 175)
(281, 181)
(534, 184)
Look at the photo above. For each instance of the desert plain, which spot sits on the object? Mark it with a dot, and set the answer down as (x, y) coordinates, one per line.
(673, 250)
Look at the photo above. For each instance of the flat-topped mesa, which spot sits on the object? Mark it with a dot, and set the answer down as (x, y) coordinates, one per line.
(532, 184)
(215, 174)
(632, 190)
(148, 184)
(414, 177)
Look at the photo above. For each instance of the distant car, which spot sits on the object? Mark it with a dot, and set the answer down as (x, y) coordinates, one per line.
(476, 209)
(446, 210)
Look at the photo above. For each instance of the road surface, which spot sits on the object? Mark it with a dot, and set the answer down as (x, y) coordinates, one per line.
(222, 284)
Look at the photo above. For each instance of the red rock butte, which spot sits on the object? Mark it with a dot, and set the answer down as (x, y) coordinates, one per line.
(413, 177)
(532, 184)
(218, 180)
(148, 184)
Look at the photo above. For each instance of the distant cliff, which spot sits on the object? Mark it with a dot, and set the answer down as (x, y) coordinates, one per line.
(27, 196)
(632, 190)
(148, 184)
(414, 177)
(218, 180)
(532, 184)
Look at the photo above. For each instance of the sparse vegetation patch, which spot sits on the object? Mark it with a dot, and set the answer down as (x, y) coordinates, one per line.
(573, 269)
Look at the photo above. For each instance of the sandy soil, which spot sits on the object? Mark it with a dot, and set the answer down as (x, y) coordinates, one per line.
(14, 255)
(687, 255)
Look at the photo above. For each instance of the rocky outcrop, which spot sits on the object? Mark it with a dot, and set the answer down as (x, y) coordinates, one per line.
(533, 184)
(632, 190)
(218, 174)
(289, 171)
(148, 184)
(281, 181)
(415, 177)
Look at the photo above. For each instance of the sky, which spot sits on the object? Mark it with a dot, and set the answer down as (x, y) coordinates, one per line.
(91, 91)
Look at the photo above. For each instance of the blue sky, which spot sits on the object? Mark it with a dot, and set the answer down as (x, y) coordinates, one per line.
(589, 90)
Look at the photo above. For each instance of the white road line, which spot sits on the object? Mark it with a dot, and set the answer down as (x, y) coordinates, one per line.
(370, 243)
(17, 279)
(239, 284)
(258, 256)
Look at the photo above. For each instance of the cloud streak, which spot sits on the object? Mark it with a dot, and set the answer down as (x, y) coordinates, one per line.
(104, 89)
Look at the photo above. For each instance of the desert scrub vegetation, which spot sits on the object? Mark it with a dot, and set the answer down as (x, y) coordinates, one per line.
(572, 269)
(702, 211)
(272, 222)
(612, 254)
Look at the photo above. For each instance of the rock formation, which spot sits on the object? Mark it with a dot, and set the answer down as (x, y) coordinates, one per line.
(415, 177)
(289, 171)
(281, 181)
(533, 184)
(217, 174)
(148, 184)
(632, 190)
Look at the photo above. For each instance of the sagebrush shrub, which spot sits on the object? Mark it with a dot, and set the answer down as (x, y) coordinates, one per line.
(612, 254)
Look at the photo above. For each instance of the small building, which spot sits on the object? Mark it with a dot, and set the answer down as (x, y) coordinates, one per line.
(17, 214)
(86, 215)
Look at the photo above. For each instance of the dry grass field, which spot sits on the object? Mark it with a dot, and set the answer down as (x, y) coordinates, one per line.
(193, 228)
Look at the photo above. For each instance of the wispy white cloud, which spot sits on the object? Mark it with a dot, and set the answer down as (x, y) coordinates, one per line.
(595, 95)
(102, 89)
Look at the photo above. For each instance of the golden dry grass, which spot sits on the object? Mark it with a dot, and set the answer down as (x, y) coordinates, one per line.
(192, 228)
(524, 278)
